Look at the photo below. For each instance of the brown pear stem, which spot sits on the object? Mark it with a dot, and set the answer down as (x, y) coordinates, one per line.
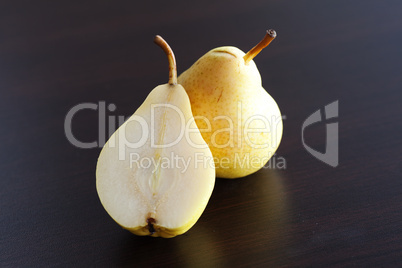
(271, 34)
(172, 60)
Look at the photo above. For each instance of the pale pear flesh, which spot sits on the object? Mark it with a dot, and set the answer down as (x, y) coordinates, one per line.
(228, 94)
(157, 200)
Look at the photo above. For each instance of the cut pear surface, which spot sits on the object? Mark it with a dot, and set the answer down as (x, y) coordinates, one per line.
(156, 174)
(156, 191)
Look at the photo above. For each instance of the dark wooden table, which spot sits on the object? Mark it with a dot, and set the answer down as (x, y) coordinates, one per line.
(55, 55)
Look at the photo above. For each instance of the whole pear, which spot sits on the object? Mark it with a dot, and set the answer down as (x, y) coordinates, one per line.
(239, 120)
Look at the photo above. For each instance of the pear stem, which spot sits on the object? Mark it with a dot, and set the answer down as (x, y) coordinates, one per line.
(270, 35)
(172, 60)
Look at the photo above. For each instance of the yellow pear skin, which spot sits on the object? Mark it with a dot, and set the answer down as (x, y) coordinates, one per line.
(239, 120)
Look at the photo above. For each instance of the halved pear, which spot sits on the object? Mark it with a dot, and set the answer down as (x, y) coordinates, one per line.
(156, 174)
